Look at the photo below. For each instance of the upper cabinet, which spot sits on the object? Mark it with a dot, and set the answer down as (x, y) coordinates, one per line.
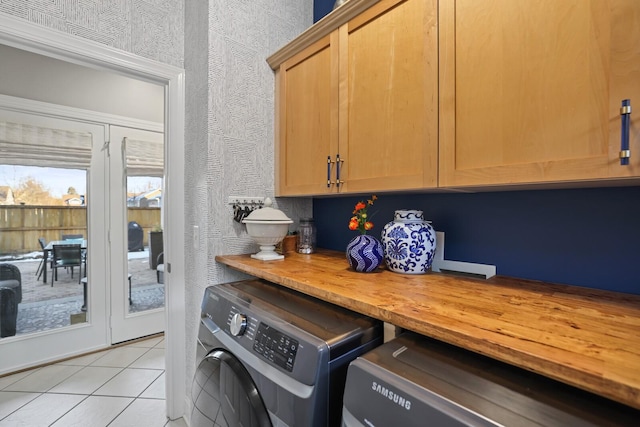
(419, 94)
(388, 120)
(357, 109)
(307, 121)
(530, 92)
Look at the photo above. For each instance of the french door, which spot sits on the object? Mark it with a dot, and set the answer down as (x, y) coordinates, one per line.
(119, 295)
(136, 184)
(38, 141)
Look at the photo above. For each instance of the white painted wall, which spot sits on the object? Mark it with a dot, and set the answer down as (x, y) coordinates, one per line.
(41, 78)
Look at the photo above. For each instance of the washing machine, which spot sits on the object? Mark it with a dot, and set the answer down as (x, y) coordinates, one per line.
(415, 381)
(270, 356)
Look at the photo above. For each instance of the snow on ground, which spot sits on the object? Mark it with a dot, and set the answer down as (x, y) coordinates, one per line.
(38, 255)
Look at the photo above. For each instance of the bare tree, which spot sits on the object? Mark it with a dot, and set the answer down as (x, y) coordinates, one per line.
(30, 191)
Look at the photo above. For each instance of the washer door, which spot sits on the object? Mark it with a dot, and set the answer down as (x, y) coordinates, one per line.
(224, 394)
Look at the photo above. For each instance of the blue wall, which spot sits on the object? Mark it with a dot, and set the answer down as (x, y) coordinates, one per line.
(584, 237)
(321, 8)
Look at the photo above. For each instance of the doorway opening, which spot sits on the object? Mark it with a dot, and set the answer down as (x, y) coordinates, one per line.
(34, 38)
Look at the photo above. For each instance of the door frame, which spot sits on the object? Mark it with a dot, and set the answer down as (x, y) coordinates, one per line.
(27, 36)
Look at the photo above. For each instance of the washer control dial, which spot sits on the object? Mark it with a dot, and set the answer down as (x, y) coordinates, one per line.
(238, 324)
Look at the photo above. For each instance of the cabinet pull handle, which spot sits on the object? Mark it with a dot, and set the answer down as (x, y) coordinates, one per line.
(338, 162)
(328, 171)
(625, 112)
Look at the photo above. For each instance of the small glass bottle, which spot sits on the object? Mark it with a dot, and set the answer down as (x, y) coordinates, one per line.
(306, 236)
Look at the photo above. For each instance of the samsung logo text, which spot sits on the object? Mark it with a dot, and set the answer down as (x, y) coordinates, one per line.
(392, 396)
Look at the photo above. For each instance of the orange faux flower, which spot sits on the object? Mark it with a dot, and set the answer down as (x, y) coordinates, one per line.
(360, 219)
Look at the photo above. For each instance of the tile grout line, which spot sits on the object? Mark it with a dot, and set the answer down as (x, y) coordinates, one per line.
(93, 393)
(70, 409)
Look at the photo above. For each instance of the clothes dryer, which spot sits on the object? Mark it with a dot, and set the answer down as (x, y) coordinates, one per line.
(414, 381)
(270, 356)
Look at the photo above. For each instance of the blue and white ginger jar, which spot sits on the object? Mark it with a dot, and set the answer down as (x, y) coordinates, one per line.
(409, 243)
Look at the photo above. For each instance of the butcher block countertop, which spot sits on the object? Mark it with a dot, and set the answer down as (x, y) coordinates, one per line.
(584, 337)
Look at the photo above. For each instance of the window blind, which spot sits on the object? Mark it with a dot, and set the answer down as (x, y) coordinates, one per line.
(144, 158)
(28, 145)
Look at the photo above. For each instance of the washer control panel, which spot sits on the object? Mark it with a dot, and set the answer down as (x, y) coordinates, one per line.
(292, 333)
(278, 348)
(275, 346)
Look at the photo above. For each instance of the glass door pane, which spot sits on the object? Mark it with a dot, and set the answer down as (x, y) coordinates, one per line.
(145, 243)
(43, 207)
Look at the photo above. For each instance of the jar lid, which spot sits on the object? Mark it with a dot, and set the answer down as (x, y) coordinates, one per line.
(306, 220)
(408, 215)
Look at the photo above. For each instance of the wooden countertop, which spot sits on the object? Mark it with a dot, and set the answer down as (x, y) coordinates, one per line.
(584, 337)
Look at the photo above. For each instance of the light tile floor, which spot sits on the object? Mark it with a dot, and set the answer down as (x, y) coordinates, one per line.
(118, 387)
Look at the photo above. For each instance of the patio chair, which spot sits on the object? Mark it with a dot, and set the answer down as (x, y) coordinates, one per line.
(40, 269)
(10, 278)
(10, 297)
(66, 256)
(160, 268)
(84, 251)
(8, 312)
(72, 236)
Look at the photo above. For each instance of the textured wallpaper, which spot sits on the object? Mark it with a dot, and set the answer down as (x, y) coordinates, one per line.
(230, 130)
(229, 135)
(149, 28)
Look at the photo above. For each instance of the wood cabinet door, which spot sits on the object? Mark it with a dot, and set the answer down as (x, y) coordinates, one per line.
(526, 90)
(307, 120)
(625, 84)
(388, 97)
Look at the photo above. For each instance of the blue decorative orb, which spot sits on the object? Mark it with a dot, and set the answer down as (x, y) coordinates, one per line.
(364, 253)
(409, 243)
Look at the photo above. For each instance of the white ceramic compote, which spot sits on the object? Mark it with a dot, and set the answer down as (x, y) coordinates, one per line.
(267, 226)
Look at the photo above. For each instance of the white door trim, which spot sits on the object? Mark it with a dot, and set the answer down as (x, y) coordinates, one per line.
(24, 35)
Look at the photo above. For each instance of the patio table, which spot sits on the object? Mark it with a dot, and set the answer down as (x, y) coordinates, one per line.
(49, 248)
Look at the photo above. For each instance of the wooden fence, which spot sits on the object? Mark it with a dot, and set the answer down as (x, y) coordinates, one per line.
(21, 226)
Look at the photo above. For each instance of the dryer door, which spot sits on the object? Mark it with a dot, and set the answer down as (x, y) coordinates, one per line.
(223, 394)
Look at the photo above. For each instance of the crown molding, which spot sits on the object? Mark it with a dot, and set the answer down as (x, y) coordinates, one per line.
(326, 25)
